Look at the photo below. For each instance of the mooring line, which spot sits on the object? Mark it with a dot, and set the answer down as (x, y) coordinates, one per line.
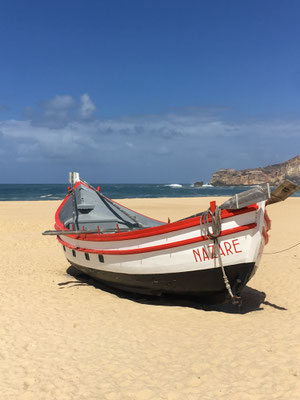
(281, 251)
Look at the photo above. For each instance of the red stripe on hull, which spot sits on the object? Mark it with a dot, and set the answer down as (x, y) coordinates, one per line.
(265, 235)
(267, 221)
(159, 247)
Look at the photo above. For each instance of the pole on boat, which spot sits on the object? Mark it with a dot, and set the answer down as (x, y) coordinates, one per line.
(240, 200)
(73, 178)
(258, 193)
(261, 193)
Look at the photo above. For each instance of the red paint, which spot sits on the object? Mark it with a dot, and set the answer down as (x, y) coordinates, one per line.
(205, 255)
(227, 246)
(158, 247)
(267, 221)
(147, 232)
(58, 223)
(221, 251)
(236, 243)
(265, 235)
(211, 247)
(212, 206)
(197, 253)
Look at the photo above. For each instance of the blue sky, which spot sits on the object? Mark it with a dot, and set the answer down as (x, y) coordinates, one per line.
(146, 91)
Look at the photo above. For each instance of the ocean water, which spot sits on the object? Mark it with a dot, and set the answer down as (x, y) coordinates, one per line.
(30, 192)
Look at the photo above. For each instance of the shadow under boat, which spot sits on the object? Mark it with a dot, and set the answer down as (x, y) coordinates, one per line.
(251, 299)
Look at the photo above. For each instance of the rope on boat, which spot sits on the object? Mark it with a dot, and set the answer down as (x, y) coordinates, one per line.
(281, 251)
(213, 234)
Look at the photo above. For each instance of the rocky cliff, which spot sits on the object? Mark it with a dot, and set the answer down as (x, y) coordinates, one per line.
(273, 174)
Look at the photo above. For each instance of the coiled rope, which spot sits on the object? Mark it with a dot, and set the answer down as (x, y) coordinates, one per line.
(213, 234)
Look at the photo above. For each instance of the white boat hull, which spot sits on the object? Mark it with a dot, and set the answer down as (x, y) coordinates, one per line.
(180, 261)
(210, 254)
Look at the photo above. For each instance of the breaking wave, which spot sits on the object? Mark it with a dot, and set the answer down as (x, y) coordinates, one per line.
(175, 185)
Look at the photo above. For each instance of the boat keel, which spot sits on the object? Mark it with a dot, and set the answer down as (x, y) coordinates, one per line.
(204, 284)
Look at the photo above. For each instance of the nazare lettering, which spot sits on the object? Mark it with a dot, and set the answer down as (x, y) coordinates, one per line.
(227, 248)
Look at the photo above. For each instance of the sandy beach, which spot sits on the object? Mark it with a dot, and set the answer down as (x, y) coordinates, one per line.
(64, 337)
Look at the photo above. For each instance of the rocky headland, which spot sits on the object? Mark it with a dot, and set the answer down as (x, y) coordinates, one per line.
(273, 174)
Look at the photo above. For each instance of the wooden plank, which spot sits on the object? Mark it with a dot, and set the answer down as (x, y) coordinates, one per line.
(283, 191)
(85, 232)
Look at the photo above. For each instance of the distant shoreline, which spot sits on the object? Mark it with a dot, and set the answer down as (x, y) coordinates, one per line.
(45, 192)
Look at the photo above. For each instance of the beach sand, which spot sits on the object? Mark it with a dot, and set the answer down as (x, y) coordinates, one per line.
(63, 337)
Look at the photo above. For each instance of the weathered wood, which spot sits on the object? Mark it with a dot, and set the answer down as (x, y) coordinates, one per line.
(283, 191)
(83, 232)
(251, 196)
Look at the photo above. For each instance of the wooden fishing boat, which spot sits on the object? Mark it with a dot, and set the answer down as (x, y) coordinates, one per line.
(212, 254)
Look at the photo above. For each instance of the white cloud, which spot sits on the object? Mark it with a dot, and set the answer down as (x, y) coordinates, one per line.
(60, 111)
(87, 107)
(183, 145)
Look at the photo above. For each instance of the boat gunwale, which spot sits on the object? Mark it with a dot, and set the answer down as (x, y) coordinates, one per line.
(160, 247)
(189, 222)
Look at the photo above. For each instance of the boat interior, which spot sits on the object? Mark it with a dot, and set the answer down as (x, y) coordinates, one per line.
(88, 209)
